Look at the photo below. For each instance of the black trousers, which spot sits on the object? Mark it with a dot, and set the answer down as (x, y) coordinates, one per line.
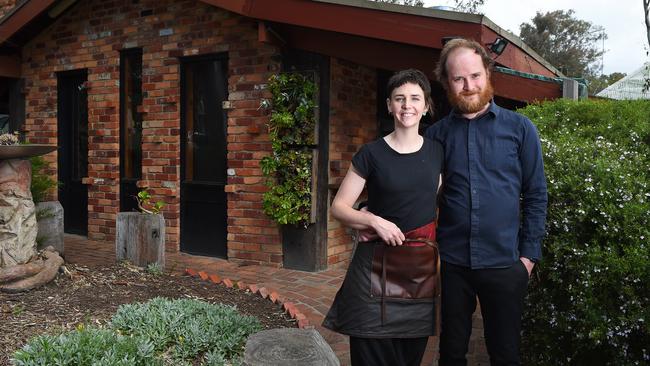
(501, 293)
(387, 351)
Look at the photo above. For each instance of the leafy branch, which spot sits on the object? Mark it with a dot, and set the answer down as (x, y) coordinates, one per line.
(146, 206)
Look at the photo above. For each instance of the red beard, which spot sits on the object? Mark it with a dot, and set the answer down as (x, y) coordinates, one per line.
(464, 105)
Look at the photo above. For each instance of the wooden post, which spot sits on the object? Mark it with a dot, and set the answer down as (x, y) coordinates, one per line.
(140, 238)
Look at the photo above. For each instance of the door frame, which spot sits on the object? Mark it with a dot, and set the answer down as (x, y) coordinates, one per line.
(65, 143)
(184, 61)
(124, 206)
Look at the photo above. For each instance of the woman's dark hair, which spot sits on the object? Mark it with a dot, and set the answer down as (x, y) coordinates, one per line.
(412, 76)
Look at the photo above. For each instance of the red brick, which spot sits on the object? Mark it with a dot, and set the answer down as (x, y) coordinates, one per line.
(191, 272)
(214, 278)
(264, 292)
(227, 282)
(275, 297)
(304, 324)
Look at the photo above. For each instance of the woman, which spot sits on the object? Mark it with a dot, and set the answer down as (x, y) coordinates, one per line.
(386, 301)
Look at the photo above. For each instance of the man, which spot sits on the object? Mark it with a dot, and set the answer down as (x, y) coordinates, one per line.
(492, 208)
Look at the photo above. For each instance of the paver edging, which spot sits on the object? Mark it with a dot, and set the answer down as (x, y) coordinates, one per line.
(273, 296)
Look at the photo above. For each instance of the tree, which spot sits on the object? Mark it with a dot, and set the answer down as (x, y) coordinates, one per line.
(402, 2)
(470, 6)
(568, 43)
(598, 83)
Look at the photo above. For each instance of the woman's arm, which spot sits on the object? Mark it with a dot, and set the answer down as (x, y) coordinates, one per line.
(342, 210)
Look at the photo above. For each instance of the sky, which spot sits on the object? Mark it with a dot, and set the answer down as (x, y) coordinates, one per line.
(623, 21)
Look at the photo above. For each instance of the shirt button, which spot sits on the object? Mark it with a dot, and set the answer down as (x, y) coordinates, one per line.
(474, 191)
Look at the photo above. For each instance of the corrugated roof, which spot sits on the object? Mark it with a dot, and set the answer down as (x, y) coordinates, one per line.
(629, 87)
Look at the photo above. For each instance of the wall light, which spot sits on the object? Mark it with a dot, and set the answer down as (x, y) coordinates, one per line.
(498, 46)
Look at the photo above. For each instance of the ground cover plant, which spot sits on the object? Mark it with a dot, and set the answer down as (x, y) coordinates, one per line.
(158, 332)
(588, 301)
(81, 303)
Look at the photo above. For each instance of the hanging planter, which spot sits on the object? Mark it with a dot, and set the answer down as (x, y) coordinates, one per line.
(289, 170)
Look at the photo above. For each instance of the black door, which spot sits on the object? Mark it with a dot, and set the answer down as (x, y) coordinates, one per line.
(73, 149)
(203, 156)
(130, 127)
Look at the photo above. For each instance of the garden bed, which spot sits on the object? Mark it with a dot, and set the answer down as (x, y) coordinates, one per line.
(91, 297)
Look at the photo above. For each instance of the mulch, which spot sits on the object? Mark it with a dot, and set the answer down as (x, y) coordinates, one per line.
(80, 295)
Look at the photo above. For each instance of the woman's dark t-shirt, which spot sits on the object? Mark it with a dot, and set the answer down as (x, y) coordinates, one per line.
(402, 188)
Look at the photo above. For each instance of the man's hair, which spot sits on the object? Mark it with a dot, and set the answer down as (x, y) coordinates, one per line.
(411, 76)
(441, 68)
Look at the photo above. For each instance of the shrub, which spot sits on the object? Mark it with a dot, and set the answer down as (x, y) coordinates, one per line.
(87, 346)
(588, 302)
(42, 183)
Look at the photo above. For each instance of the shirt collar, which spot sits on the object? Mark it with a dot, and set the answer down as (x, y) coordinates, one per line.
(493, 109)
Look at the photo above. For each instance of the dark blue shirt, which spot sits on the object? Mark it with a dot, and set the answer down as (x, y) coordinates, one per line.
(493, 199)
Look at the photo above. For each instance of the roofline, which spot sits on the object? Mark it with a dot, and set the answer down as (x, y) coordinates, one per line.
(26, 11)
(448, 15)
(611, 88)
(20, 16)
(519, 43)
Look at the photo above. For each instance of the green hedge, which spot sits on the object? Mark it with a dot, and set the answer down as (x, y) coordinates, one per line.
(588, 301)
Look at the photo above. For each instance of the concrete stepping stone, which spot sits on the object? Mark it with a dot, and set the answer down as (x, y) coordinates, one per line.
(288, 347)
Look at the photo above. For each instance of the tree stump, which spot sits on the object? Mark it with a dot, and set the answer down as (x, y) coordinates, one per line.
(18, 226)
(288, 347)
(140, 238)
(50, 225)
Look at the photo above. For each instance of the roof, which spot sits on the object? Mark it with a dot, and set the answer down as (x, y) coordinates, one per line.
(418, 26)
(439, 13)
(365, 32)
(629, 87)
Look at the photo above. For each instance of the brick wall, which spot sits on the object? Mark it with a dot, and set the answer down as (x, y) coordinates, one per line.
(353, 122)
(6, 6)
(90, 35)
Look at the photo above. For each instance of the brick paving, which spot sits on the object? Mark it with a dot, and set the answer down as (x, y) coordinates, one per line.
(311, 293)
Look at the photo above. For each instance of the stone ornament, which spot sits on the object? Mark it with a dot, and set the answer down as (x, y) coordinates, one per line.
(18, 226)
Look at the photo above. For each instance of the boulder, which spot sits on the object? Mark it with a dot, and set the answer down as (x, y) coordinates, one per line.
(288, 347)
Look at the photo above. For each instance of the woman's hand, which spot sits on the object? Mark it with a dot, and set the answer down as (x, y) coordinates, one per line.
(387, 231)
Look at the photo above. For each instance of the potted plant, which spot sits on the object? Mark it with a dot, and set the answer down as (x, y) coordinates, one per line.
(140, 236)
